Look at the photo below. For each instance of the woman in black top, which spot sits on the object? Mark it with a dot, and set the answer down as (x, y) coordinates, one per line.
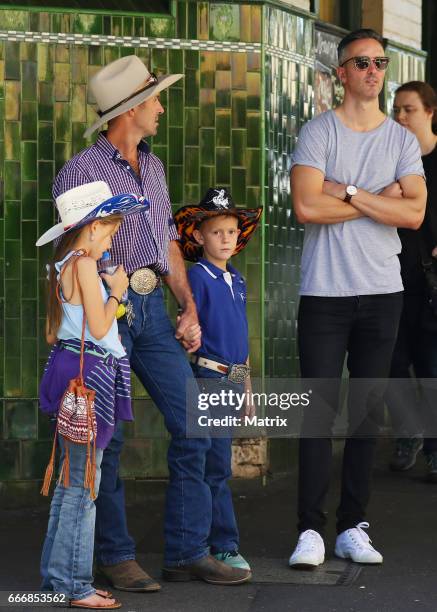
(415, 107)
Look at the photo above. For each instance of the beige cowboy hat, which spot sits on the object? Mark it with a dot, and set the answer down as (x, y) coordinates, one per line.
(122, 85)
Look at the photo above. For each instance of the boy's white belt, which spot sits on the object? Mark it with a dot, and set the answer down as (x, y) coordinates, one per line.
(237, 372)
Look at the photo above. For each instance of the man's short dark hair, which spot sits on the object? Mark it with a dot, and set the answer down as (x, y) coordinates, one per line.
(357, 35)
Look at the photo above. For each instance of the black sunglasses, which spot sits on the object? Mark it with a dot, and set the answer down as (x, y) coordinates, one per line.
(363, 62)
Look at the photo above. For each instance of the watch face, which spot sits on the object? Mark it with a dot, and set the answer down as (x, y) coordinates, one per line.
(351, 190)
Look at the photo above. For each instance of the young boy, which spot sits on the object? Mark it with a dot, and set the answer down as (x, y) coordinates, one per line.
(210, 233)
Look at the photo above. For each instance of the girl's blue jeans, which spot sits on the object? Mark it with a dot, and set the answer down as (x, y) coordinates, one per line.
(67, 555)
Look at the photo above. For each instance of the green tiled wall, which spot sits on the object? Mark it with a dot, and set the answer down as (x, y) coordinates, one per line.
(209, 135)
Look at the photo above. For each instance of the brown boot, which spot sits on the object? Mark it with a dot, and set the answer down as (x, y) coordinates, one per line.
(208, 569)
(127, 576)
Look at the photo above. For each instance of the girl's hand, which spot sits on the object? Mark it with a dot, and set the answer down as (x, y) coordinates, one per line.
(434, 252)
(117, 282)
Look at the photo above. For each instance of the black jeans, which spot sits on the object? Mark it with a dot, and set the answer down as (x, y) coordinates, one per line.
(364, 327)
(416, 346)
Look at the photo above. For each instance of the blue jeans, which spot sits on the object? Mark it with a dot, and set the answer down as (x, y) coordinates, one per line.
(223, 536)
(67, 555)
(160, 363)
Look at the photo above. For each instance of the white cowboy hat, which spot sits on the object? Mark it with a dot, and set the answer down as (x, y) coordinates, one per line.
(122, 85)
(82, 205)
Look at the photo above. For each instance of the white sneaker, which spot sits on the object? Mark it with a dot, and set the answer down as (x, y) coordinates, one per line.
(355, 544)
(309, 552)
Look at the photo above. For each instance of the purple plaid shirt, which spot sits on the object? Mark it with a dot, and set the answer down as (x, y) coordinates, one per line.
(142, 239)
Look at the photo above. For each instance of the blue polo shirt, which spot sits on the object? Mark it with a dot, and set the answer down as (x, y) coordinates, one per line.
(221, 304)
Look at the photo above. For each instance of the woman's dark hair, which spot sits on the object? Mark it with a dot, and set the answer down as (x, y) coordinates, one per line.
(356, 35)
(427, 94)
(66, 244)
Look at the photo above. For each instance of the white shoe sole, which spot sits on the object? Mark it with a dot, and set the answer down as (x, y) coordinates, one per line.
(305, 565)
(348, 556)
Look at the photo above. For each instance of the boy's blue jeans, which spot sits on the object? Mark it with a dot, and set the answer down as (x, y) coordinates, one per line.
(160, 363)
(223, 536)
(67, 555)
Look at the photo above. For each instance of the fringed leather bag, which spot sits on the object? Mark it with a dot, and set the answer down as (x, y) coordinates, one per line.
(76, 420)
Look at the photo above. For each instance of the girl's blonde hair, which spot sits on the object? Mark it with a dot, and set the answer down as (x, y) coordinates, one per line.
(66, 244)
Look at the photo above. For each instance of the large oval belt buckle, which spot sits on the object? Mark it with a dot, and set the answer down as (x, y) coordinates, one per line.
(143, 281)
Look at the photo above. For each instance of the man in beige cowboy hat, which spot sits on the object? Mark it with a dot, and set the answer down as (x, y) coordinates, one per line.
(127, 96)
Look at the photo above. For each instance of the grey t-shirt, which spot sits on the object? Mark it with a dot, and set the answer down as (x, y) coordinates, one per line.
(358, 257)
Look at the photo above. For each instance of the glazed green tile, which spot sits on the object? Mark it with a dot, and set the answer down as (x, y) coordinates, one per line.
(62, 54)
(46, 214)
(62, 82)
(161, 27)
(45, 101)
(176, 150)
(139, 26)
(95, 55)
(149, 422)
(45, 140)
(159, 60)
(238, 186)
(77, 139)
(191, 164)
(207, 108)
(29, 367)
(43, 22)
(256, 23)
(10, 463)
(191, 126)
(12, 338)
(159, 457)
(207, 69)
(45, 54)
(12, 140)
(223, 60)
(223, 89)
(29, 235)
(176, 107)
(62, 122)
(12, 61)
(62, 154)
(78, 103)
(192, 59)
(176, 61)
(35, 457)
(60, 23)
(207, 146)
(128, 26)
(45, 180)
(29, 276)
(110, 54)
(12, 100)
(29, 87)
(12, 252)
(223, 128)
(29, 311)
(191, 87)
(223, 165)
(245, 23)
(192, 21)
(239, 70)
(14, 20)
(161, 152)
(224, 22)
(12, 179)
(238, 109)
(253, 197)
(253, 61)
(45, 426)
(203, 20)
(107, 25)
(28, 197)
(175, 184)
(117, 25)
(207, 178)
(253, 165)
(253, 122)
(238, 147)
(191, 194)
(253, 91)
(88, 24)
(12, 221)
(136, 459)
(29, 121)
(181, 19)
(21, 419)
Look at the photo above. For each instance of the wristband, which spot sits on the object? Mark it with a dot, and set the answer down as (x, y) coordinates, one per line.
(114, 298)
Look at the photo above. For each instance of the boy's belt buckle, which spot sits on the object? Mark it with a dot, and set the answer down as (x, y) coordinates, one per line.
(143, 281)
(238, 372)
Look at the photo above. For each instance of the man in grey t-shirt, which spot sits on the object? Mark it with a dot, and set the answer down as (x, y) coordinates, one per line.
(356, 176)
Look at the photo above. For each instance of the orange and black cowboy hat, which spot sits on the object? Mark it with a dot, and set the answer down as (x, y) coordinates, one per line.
(215, 202)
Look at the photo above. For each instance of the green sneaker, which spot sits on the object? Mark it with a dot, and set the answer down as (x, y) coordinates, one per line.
(233, 559)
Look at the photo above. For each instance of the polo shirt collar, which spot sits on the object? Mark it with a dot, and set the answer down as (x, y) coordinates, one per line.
(214, 271)
(107, 147)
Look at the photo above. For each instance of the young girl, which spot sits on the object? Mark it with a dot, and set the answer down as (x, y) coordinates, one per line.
(90, 217)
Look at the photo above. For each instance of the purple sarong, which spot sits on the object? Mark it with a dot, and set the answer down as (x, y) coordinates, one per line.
(108, 376)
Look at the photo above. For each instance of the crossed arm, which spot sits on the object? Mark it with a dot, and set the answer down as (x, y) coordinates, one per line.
(315, 200)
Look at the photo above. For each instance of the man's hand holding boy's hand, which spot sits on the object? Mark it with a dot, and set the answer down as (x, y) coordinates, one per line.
(191, 338)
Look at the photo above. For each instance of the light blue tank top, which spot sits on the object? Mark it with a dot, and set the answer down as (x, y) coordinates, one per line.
(71, 323)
